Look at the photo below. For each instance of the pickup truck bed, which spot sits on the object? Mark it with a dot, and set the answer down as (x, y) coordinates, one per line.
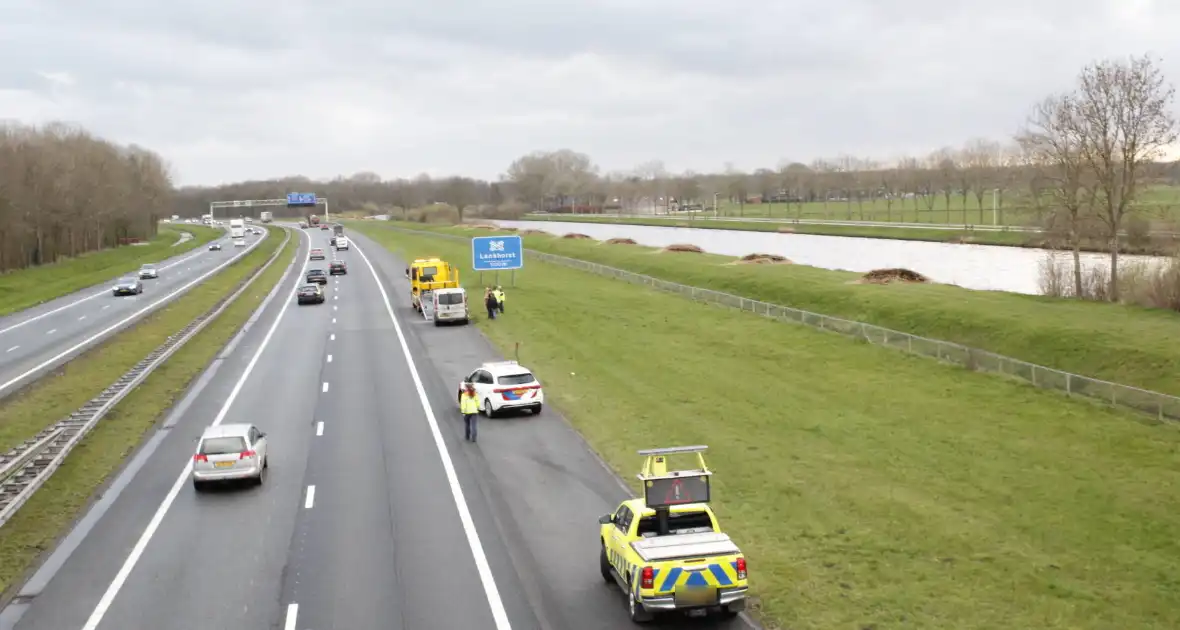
(685, 546)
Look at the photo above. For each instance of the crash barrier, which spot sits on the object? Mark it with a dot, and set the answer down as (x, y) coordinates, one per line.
(1160, 405)
(25, 468)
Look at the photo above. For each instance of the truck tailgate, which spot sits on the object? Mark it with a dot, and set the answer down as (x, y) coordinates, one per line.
(685, 546)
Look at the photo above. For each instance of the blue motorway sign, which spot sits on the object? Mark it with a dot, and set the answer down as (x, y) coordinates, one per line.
(300, 199)
(496, 253)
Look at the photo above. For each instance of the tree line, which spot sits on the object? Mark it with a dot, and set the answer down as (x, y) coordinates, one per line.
(65, 192)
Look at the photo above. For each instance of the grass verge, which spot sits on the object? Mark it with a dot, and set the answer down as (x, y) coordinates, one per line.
(870, 489)
(23, 288)
(1125, 344)
(1159, 246)
(54, 508)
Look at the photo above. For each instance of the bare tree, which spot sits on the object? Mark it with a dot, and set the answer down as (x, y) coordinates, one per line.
(1125, 111)
(1055, 142)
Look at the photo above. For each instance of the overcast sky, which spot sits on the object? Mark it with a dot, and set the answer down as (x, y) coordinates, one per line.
(230, 90)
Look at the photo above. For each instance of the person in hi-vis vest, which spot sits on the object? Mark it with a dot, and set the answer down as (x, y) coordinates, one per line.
(499, 293)
(469, 407)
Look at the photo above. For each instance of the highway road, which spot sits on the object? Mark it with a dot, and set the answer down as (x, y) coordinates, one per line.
(38, 339)
(376, 512)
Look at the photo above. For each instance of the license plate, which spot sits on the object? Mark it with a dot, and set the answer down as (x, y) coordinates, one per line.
(223, 464)
(696, 596)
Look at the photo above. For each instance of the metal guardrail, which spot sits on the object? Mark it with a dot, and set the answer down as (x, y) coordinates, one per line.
(25, 468)
(1162, 406)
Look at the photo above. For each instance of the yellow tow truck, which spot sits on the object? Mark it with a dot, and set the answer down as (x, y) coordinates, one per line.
(427, 275)
(666, 550)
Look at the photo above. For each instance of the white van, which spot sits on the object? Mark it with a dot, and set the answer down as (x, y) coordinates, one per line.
(340, 242)
(450, 305)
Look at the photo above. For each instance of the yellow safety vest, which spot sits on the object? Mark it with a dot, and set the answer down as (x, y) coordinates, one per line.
(499, 295)
(468, 404)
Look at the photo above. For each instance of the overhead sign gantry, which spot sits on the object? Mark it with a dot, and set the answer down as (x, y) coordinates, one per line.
(293, 200)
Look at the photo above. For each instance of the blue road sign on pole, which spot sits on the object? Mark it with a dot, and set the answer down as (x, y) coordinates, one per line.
(496, 253)
(301, 199)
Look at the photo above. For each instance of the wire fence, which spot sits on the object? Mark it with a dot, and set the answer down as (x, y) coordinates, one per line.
(1162, 406)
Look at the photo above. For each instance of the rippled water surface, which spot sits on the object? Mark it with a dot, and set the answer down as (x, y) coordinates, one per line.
(985, 267)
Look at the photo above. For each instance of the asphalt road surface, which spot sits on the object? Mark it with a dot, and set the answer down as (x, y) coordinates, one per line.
(33, 341)
(376, 513)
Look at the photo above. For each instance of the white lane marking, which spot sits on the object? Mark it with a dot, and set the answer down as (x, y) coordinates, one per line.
(335, 308)
(329, 358)
(325, 388)
(319, 428)
(310, 500)
(87, 341)
(82, 318)
(333, 337)
(333, 320)
(77, 302)
(12, 348)
(335, 297)
(481, 560)
(51, 331)
(116, 585)
(292, 615)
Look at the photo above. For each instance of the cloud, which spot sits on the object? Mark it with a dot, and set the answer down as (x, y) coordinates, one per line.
(246, 90)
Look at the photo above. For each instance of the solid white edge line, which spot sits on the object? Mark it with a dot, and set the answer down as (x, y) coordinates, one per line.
(309, 502)
(292, 616)
(132, 317)
(319, 428)
(108, 598)
(499, 614)
(77, 302)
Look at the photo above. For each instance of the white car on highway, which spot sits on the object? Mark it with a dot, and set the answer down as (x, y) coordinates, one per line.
(230, 452)
(503, 386)
(147, 271)
(239, 242)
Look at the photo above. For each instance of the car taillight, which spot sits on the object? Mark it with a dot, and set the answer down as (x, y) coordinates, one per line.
(246, 454)
(648, 578)
(504, 390)
(741, 568)
(200, 458)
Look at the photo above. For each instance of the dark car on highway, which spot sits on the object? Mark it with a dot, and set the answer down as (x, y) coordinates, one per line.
(317, 275)
(338, 268)
(128, 286)
(311, 294)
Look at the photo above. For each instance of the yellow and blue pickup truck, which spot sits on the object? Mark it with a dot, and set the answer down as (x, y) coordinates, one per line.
(666, 550)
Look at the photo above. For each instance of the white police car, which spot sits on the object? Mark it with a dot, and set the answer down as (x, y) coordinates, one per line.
(502, 386)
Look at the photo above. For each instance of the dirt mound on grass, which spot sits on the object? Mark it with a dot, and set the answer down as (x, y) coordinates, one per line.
(887, 276)
(620, 241)
(534, 233)
(763, 259)
(575, 235)
(683, 247)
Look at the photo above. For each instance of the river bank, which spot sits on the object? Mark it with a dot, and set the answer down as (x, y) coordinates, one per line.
(1158, 245)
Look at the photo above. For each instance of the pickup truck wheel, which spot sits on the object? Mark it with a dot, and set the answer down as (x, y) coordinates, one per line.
(637, 613)
(604, 567)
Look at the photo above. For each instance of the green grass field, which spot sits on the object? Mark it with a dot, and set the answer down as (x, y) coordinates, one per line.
(1012, 207)
(870, 489)
(54, 508)
(1124, 344)
(28, 287)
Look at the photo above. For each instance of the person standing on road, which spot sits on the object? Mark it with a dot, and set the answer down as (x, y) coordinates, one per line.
(489, 300)
(499, 293)
(469, 407)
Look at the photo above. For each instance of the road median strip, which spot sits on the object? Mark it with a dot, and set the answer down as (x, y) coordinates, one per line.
(868, 488)
(48, 512)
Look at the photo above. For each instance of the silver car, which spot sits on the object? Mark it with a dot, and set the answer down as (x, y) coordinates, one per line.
(230, 452)
(148, 271)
